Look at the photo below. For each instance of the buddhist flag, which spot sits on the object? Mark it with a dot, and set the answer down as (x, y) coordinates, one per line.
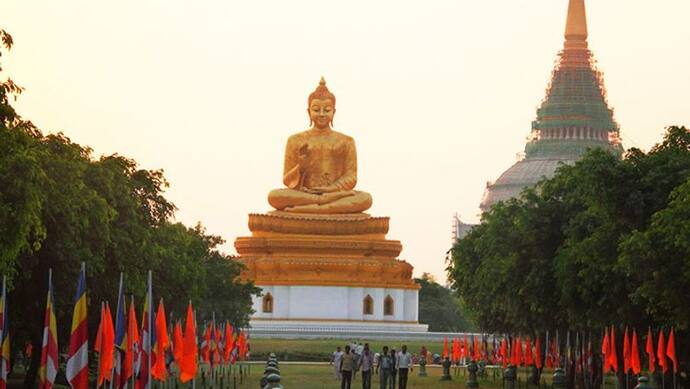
(605, 351)
(188, 365)
(661, 351)
(445, 348)
(77, 370)
(613, 352)
(49, 350)
(649, 348)
(627, 354)
(635, 357)
(4, 337)
(671, 350)
(537, 355)
(229, 342)
(159, 370)
(133, 343)
(148, 339)
(120, 374)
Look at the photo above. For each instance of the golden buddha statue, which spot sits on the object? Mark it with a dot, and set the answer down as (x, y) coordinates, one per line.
(320, 169)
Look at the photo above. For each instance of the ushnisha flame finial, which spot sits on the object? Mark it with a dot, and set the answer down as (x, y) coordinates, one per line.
(321, 92)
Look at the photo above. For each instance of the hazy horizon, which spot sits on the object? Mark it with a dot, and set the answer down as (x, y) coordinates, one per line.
(438, 97)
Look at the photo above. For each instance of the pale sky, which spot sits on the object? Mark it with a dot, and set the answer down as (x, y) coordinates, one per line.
(438, 94)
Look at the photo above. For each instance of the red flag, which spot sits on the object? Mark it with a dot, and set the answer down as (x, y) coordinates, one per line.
(188, 364)
(605, 351)
(106, 346)
(635, 358)
(504, 352)
(158, 370)
(649, 348)
(671, 351)
(661, 352)
(206, 345)
(466, 348)
(529, 358)
(456, 350)
(229, 342)
(537, 355)
(445, 348)
(613, 351)
(477, 352)
(627, 362)
(178, 343)
(133, 344)
(519, 355)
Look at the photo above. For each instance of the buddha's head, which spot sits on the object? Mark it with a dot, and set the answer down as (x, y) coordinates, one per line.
(321, 106)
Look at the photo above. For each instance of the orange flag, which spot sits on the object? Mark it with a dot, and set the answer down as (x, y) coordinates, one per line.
(613, 359)
(626, 352)
(529, 358)
(158, 370)
(671, 351)
(178, 343)
(229, 342)
(649, 348)
(635, 358)
(661, 351)
(107, 345)
(99, 332)
(504, 352)
(466, 349)
(132, 340)
(605, 351)
(189, 364)
(445, 348)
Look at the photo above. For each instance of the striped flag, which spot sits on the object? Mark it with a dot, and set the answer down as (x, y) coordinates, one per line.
(120, 373)
(49, 351)
(4, 338)
(148, 338)
(77, 370)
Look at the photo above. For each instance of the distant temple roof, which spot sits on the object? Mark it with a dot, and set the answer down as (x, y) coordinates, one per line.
(573, 117)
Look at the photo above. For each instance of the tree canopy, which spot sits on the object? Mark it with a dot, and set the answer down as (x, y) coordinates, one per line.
(604, 241)
(440, 309)
(60, 206)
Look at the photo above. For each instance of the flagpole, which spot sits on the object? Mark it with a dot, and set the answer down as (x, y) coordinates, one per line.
(150, 329)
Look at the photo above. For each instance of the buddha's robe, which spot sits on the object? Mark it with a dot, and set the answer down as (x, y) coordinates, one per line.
(331, 162)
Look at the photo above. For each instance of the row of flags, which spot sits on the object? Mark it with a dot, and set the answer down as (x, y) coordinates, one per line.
(664, 351)
(578, 354)
(126, 352)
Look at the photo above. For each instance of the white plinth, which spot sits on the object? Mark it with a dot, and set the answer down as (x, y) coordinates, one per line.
(335, 309)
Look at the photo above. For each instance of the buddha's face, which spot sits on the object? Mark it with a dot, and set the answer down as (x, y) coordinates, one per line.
(321, 112)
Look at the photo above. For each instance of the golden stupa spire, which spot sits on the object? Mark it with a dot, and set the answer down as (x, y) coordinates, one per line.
(576, 26)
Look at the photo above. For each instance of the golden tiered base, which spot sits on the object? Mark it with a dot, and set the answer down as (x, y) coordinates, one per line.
(329, 250)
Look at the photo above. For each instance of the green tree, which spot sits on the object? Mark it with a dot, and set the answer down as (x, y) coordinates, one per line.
(440, 309)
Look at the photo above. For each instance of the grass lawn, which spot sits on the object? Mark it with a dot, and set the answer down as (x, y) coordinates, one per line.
(320, 350)
(321, 376)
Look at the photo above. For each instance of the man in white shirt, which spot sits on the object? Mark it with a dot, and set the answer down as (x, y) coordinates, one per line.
(335, 360)
(404, 364)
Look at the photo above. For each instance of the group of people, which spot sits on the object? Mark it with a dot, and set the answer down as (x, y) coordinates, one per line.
(388, 365)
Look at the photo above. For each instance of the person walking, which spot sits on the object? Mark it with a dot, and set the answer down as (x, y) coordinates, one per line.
(394, 368)
(366, 362)
(383, 368)
(336, 358)
(404, 366)
(347, 364)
